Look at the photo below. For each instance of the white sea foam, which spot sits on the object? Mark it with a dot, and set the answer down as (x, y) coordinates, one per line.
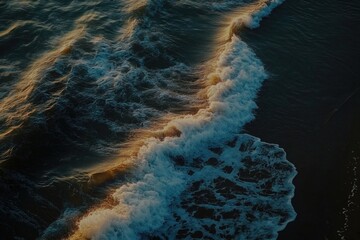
(152, 204)
(253, 20)
(239, 190)
(115, 80)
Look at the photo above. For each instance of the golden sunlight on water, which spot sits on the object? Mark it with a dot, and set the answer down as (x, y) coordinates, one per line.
(238, 19)
(15, 107)
(13, 27)
(135, 6)
(128, 29)
(231, 24)
(126, 160)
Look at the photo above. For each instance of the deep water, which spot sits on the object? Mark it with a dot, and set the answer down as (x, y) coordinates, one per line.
(311, 106)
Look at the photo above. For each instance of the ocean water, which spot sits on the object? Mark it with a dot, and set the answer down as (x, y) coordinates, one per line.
(310, 106)
(125, 120)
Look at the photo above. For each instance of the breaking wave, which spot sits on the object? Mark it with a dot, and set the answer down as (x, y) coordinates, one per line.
(198, 178)
(210, 182)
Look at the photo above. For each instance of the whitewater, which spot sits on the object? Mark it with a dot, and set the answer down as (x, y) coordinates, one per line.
(187, 172)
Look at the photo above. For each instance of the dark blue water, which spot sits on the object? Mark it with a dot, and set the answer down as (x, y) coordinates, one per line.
(125, 119)
(310, 106)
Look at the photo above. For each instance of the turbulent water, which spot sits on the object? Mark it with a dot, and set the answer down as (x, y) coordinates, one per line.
(123, 120)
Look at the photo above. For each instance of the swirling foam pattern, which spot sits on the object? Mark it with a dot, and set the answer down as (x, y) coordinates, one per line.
(112, 68)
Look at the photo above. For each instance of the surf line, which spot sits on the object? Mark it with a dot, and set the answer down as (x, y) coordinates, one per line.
(248, 16)
(218, 89)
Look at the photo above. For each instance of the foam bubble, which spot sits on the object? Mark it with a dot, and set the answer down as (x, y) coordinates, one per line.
(241, 189)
